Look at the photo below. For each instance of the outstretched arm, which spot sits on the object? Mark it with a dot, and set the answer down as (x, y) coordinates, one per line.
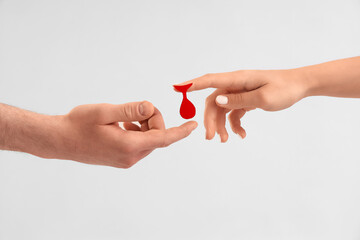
(272, 90)
(340, 78)
(90, 133)
(29, 132)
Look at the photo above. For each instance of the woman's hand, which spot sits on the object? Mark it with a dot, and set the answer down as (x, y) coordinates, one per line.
(241, 91)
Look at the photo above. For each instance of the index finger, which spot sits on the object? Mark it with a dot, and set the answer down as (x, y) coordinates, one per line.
(212, 80)
(156, 121)
(162, 138)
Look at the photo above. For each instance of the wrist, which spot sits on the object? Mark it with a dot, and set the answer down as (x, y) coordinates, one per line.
(39, 135)
(308, 81)
(306, 84)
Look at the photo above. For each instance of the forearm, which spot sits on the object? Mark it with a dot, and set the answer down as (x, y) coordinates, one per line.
(340, 78)
(29, 132)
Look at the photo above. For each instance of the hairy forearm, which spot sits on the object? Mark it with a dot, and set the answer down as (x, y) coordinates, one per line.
(29, 132)
(340, 78)
(90, 133)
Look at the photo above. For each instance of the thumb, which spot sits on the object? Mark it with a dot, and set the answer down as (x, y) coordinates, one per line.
(252, 99)
(135, 111)
(128, 112)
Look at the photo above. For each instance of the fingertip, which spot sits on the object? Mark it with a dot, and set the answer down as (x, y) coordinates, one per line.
(193, 125)
(224, 138)
(181, 84)
(210, 135)
(189, 126)
(183, 87)
(146, 109)
(243, 134)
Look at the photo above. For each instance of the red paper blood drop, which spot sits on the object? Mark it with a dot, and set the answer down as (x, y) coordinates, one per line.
(187, 109)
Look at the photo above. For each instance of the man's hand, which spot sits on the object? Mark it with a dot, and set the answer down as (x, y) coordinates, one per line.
(91, 133)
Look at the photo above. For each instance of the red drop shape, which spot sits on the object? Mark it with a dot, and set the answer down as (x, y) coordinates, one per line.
(187, 109)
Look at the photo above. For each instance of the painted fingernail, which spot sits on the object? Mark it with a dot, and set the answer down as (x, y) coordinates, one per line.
(221, 100)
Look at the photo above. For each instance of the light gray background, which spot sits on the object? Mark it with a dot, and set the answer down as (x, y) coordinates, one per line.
(296, 176)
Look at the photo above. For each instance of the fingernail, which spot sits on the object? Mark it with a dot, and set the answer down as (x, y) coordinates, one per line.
(243, 135)
(193, 126)
(142, 109)
(221, 100)
(207, 136)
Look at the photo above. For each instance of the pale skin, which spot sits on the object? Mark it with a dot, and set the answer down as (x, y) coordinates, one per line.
(90, 133)
(271, 90)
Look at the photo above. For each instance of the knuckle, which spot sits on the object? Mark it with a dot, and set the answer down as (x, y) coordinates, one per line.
(207, 75)
(231, 117)
(246, 74)
(161, 139)
(77, 112)
(128, 112)
(238, 98)
(164, 142)
(209, 100)
(235, 100)
(73, 114)
(99, 112)
(208, 79)
(264, 101)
